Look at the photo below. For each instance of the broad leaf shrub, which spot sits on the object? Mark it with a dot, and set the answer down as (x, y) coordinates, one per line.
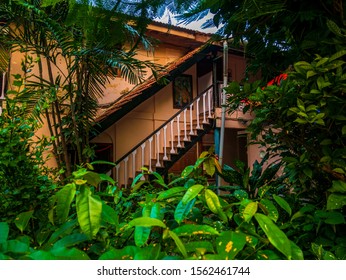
(303, 122)
(24, 182)
(90, 218)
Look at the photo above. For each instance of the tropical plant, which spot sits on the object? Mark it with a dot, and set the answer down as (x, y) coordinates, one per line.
(88, 42)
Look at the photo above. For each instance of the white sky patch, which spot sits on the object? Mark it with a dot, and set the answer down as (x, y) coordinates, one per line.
(196, 25)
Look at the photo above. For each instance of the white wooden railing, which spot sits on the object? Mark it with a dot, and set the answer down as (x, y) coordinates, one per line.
(167, 139)
(3, 82)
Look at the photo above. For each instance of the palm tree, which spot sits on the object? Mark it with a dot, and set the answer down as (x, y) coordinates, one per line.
(80, 43)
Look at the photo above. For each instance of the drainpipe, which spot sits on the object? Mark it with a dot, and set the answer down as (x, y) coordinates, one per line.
(223, 105)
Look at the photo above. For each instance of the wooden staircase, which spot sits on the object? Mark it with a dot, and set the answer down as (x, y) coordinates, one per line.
(167, 144)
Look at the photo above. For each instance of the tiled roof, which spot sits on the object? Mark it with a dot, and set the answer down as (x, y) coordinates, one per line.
(109, 109)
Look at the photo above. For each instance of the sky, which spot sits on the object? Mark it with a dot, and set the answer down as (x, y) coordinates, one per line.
(196, 25)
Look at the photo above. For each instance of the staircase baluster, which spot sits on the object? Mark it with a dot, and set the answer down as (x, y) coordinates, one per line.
(165, 142)
(197, 113)
(134, 163)
(150, 142)
(143, 147)
(125, 171)
(117, 173)
(210, 92)
(185, 135)
(178, 128)
(158, 164)
(191, 120)
(172, 137)
(204, 109)
(143, 159)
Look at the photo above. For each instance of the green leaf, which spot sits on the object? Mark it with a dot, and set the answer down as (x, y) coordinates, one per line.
(146, 222)
(151, 252)
(330, 217)
(213, 201)
(156, 211)
(22, 220)
(170, 193)
(109, 215)
(92, 178)
(89, 212)
(17, 247)
(70, 240)
(4, 230)
(179, 243)
(127, 253)
(182, 210)
(283, 204)
(187, 171)
(230, 243)
(338, 186)
(191, 229)
(249, 211)
(336, 201)
(191, 193)
(63, 253)
(270, 209)
(64, 199)
(275, 236)
(240, 194)
(199, 246)
(142, 235)
(106, 178)
(297, 253)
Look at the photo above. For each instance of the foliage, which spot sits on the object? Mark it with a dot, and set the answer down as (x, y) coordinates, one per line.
(88, 42)
(91, 218)
(25, 185)
(274, 33)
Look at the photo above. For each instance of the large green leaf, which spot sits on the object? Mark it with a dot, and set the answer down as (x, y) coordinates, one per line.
(336, 201)
(127, 253)
(275, 235)
(191, 229)
(151, 252)
(109, 215)
(141, 235)
(269, 208)
(213, 201)
(4, 230)
(283, 204)
(22, 220)
(64, 199)
(17, 247)
(191, 193)
(338, 186)
(63, 253)
(170, 193)
(179, 243)
(146, 222)
(89, 211)
(199, 246)
(230, 243)
(70, 240)
(182, 210)
(249, 211)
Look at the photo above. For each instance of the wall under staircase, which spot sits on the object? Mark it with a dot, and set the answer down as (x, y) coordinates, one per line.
(167, 144)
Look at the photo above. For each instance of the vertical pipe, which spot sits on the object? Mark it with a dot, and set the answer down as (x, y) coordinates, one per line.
(223, 104)
(204, 108)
